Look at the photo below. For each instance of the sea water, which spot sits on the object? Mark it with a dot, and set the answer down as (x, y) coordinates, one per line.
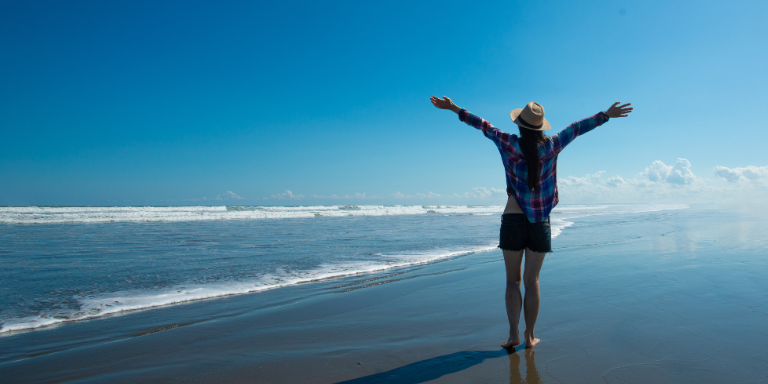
(64, 264)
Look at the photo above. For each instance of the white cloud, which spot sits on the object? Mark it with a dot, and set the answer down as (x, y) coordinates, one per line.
(658, 182)
(430, 195)
(233, 195)
(581, 181)
(748, 173)
(228, 195)
(753, 173)
(615, 181)
(287, 195)
(334, 196)
(680, 173)
(667, 183)
(482, 193)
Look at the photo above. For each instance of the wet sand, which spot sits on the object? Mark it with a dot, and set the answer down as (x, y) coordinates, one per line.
(664, 297)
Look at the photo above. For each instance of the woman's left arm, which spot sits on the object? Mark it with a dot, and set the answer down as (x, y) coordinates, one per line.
(567, 135)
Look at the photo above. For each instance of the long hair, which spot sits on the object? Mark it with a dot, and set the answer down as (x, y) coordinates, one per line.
(529, 143)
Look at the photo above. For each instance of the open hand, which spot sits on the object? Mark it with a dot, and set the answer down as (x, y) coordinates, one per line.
(444, 103)
(617, 110)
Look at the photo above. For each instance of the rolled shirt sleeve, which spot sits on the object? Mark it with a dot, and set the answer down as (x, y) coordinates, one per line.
(502, 139)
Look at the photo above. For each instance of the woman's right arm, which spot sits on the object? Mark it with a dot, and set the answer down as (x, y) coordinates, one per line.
(491, 132)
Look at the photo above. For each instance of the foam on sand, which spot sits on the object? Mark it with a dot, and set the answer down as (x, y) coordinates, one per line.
(118, 302)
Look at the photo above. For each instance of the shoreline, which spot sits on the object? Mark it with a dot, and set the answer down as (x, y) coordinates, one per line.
(115, 310)
(651, 305)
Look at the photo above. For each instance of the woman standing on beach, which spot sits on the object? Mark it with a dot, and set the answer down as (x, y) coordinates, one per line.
(530, 162)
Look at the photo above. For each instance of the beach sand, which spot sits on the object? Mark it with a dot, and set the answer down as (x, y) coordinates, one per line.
(665, 297)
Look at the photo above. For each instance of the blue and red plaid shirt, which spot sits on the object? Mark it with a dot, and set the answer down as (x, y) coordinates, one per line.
(536, 203)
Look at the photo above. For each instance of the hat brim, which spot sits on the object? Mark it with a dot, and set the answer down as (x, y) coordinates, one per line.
(516, 113)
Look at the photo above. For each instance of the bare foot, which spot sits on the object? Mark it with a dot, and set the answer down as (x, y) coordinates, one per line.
(513, 341)
(530, 341)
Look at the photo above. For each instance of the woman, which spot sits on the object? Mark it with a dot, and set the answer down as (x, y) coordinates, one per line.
(530, 162)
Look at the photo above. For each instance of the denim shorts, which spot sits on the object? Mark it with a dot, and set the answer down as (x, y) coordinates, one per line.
(517, 233)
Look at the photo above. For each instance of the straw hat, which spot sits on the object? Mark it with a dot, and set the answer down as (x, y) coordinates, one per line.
(531, 117)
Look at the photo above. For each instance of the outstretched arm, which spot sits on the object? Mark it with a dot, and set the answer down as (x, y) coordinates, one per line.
(501, 139)
(488, 129)
(567, 135)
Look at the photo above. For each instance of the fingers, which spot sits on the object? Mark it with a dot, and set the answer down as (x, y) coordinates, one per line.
(440, 103)
(620, 110)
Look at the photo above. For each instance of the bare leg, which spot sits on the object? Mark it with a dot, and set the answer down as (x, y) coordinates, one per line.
(533, 262)
(513, 298)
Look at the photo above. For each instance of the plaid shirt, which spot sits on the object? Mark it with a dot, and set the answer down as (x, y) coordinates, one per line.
(536, 204)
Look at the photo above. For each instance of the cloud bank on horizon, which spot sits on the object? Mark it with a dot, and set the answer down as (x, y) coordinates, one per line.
(659, 182)
(748, 174)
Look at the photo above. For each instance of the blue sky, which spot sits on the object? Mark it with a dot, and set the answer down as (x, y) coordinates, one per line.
(166, 103)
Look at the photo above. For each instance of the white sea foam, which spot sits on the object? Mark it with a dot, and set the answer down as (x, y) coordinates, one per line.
(63, 215)
(557, 225)
(118, 302)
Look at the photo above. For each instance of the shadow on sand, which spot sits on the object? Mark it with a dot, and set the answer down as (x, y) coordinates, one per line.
(437, 367)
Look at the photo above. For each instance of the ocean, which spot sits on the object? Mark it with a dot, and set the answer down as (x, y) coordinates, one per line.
(374, 294)
(62, 265)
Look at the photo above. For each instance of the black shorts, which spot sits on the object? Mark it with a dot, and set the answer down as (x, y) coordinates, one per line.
(517, 233)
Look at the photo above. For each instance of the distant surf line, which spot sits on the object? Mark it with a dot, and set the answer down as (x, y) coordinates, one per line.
(102, 215)
(78, 215)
